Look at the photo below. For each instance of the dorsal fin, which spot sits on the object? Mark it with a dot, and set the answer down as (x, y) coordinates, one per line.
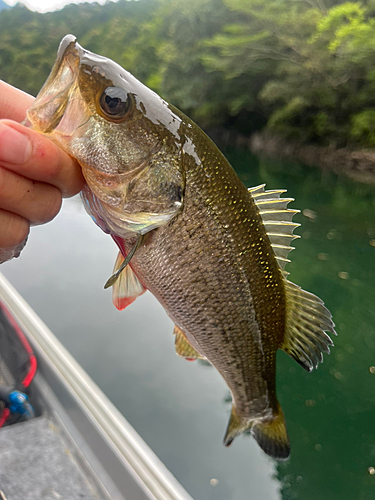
(307, 320)
(277, 220)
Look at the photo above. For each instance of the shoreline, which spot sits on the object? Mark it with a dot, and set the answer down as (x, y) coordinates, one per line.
(357, 164)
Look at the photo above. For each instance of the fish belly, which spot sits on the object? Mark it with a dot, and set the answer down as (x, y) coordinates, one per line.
(209, 271)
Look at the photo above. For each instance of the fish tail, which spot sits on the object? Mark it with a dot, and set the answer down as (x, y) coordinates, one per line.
(236, 425)
(271, 434)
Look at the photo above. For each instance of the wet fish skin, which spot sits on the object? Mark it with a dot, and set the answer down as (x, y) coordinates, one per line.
(205, 253)
(132, 166)
(214, 271)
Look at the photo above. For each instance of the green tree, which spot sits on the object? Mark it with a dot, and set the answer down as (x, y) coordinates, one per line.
(303, 69)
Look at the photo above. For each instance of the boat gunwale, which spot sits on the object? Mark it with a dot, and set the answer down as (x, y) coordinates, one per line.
(134, 464)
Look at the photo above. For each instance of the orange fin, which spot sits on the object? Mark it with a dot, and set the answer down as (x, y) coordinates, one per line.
(270, 434)
(127, 288)
(183, 347)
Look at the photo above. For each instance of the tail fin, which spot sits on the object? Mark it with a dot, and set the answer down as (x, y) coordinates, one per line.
(236, 425)
(271, 435)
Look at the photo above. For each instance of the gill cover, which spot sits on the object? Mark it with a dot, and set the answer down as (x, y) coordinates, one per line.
(125, 137)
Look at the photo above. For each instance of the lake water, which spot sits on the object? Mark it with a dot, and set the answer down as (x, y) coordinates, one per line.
(180, 408)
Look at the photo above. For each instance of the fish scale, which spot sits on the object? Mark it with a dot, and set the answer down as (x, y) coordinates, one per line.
(212, 252)
(211, 302)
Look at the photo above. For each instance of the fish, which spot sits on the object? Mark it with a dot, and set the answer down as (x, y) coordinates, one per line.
(211, 251)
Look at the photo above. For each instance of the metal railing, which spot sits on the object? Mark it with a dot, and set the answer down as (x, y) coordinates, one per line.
(124, 465)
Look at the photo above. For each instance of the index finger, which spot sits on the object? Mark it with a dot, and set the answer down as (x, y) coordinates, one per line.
(13, 102)
(34, 156)
(48, 163)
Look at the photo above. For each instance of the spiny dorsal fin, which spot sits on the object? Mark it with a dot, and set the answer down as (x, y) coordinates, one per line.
(307, 320)
(183, 346)
(277, 220)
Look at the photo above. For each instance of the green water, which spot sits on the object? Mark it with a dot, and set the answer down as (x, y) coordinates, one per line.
(181, 408)
(331, 412)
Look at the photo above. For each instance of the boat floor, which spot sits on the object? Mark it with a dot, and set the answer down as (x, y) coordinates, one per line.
(81, 446)
(37, 464)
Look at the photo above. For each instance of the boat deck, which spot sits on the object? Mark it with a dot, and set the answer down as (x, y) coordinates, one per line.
(37, 463)
(37, 459)
(79, 446)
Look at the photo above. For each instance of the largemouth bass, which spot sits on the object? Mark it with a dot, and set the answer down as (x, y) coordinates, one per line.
(211, 251)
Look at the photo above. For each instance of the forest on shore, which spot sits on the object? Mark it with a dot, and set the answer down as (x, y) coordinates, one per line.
(303, 69)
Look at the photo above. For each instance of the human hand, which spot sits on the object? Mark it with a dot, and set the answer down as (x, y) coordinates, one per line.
(34, 174)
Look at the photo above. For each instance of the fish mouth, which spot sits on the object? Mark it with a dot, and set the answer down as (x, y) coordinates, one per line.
(50, 104)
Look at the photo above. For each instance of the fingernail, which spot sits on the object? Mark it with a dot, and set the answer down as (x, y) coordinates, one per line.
(13, 253)
(14, 147)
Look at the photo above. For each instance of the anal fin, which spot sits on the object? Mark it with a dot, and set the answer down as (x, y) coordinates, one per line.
(127, 287)
(183, 346)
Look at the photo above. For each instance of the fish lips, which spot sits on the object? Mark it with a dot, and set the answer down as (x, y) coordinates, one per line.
(59, 90)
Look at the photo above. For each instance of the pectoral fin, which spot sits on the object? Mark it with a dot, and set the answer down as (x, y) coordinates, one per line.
(127, 287)
(115, 276)
(183, 347)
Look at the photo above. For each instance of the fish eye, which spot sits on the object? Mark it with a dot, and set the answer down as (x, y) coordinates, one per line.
(115, 103)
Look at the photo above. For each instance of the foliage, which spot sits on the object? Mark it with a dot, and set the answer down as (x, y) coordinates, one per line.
(301, 68)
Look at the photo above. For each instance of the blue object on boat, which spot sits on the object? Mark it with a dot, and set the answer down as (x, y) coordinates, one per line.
(19, 403)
